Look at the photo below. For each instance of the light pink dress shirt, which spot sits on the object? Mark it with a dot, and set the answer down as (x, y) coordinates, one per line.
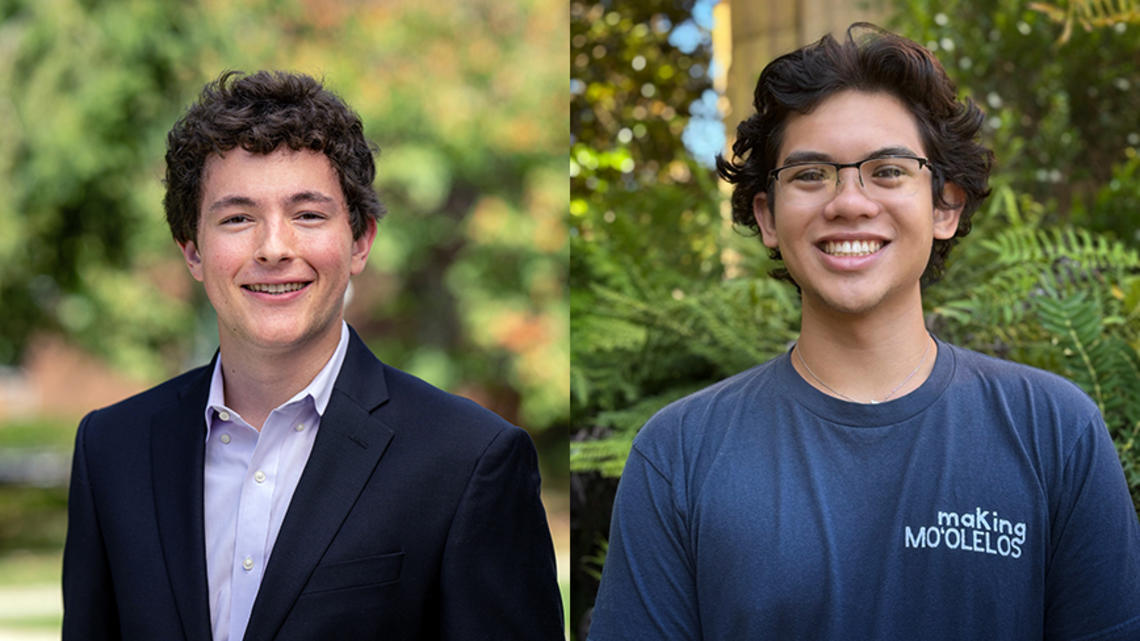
(250, 477)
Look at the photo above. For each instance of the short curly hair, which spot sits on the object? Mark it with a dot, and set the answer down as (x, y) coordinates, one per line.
(869, 59)
(259, 113)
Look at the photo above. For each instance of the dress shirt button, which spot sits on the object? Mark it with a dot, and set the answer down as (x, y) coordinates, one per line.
(224, 438)
(247, 563)
(259, 476)
(224, 415)
(299, 427)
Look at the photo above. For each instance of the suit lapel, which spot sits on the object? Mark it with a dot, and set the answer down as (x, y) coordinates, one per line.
(348, 447)
(177, 445)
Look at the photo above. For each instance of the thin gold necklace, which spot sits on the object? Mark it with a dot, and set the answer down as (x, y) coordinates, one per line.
(873, 401)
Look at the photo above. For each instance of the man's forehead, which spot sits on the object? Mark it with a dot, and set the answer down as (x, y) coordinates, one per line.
(851, 125)
(281, 154)
(243, 179)
(279, 168)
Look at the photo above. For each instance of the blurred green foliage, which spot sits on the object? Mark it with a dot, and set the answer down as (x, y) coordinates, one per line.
(86, 92)
(35, 433)
(650, 244)
(1061, 115)
(467, 282)
(667, 298)
(641, 213)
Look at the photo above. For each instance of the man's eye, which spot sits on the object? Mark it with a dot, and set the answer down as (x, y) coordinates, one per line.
(889, 171)
(235, 219)
(311, 215)
(809, 175)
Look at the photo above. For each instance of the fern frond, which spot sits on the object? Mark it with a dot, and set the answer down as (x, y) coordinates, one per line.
(644, 353)
(1044, 246)
(1103, 364)
(631, 419)
(593, 564)
(1075, 324)
(1019, 263)
(605, 456)
(608, 333)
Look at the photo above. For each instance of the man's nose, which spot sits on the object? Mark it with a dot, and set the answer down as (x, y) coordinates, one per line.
(275, 243)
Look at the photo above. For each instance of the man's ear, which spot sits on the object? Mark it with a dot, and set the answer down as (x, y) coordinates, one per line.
(765, 219)
(361, 246)
(193, 258)
(946, 219)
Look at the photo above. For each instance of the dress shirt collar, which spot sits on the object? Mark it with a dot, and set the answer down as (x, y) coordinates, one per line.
(319, 389)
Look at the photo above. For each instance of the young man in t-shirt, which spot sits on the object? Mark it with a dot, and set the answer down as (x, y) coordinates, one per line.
(874, 482)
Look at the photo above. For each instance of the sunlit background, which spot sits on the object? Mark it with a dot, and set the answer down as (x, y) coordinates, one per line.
(466, 285)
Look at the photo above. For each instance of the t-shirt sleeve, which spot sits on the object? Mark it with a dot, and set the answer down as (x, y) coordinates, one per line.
(648, 588)
(1093, 572)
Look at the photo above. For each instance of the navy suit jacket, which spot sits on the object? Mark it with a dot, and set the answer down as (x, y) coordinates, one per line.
(417, 517)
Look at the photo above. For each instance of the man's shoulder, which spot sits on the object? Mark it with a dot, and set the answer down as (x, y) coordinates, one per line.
(439, 418)
(115, 428)
(415, 395)
(164, 395)
(703, 418)
(1048, 413)
(725, 395)
(1018, 382)
(408, 403)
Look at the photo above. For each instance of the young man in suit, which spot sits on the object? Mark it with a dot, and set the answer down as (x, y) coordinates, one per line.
(874, 482)
(296, 487)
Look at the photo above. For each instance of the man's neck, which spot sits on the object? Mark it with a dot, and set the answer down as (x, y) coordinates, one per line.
(258, 380)
(873, 357)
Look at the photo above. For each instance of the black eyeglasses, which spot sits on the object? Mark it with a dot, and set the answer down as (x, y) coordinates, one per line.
(882, 178)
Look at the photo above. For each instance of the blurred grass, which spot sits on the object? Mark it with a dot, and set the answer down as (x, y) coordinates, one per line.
(38, 622)
(564, 586)
(32, 518)
(33, 524)
(30, 599)
(52, 433)
(24, 567)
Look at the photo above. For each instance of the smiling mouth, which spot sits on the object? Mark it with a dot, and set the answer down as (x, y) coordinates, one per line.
(275, 288)
(851, 247)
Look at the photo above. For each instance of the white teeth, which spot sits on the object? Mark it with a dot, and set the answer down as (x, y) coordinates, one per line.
(279, 288)
(852, 247)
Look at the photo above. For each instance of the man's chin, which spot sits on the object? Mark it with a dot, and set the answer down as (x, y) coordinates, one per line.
(271, 339)
(860, 303)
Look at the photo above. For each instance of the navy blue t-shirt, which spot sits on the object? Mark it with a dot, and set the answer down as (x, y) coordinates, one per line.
(987, 504)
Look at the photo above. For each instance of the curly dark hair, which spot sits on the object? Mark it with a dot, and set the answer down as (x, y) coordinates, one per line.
(869, 59)
(260, 112)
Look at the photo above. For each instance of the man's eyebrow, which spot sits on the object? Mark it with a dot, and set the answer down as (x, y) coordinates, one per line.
(818, 156)
(310, 197)
(232, 201)
(806, 156)
(249, 203)
(898, 150)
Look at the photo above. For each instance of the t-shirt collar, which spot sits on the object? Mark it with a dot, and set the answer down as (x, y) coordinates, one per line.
(890, 412)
